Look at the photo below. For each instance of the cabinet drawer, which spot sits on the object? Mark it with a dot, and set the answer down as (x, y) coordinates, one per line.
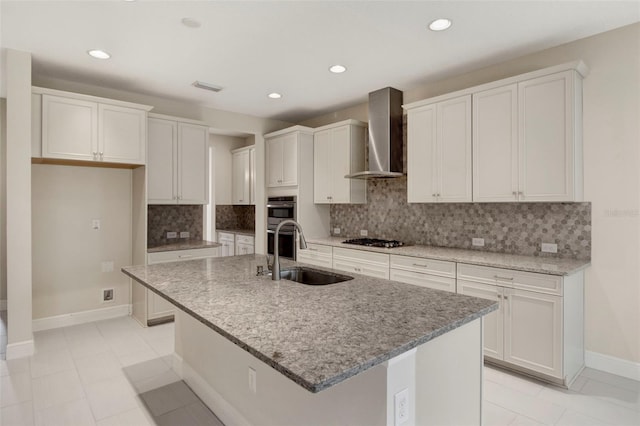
(428, 266)
(423, 280)
(172, 256)
(362, 256)
(244, 239)
(318, 249)
(317, 258)
(365, 268)
(542, 283)
(226, 236)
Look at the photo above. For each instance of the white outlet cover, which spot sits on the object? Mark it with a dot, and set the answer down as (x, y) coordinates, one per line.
(478, 242)
(364, 232)
(107, 266)
(401, 403)
(336, 231)
(172, 235)
(549, 248)
(184, 234)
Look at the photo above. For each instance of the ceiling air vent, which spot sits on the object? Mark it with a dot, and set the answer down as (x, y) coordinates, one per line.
(207, 86)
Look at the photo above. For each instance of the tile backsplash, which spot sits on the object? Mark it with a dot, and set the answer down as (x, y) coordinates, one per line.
(167, 218)
(517, 228)
(235, 217)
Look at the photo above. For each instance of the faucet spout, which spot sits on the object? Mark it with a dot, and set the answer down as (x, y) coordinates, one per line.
(275, 275)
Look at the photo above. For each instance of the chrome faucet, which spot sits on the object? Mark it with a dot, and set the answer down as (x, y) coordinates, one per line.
(275, 275)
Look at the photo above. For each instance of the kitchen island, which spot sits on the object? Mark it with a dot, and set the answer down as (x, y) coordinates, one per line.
(259, 351)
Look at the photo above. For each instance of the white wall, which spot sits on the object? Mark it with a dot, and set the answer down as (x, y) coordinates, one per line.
(222, 174)
(611, 103)
(67, 252)
(3, 203)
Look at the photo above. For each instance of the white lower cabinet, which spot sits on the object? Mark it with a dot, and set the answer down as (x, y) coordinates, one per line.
(158, 309)
(539, 324)
(361, 262)
(435, 274)
(228, 241)
(244, 244)
(316, 254)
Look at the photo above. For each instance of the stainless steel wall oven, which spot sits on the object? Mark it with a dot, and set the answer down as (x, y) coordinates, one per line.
(279, 209)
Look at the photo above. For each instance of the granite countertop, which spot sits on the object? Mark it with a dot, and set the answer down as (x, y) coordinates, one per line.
(317, 336)
(183, 244)
(542, 265)
(250, 232)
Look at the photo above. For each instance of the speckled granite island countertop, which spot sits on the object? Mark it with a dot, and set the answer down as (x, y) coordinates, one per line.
(317, 336)
(542, 265)
(182, 244)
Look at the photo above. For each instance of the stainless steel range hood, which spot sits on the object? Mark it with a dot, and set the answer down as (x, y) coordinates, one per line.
(385, 135)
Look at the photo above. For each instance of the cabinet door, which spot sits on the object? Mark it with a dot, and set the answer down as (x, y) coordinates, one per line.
(454, 150)
(533, 331)
(252, 174)
(546, 138)
(274, 155)
(157, 307)
(493, 322)
(161, 175)
(192, 164)
(290, 159)
(322, 178)
(421, 155)
(122, 134)
(340, 157)
(495, 145)
(69, 128)
(240, 178)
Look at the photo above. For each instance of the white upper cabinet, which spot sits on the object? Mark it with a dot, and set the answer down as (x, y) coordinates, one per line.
(178, 166)
(243, 176)
(526, 141)
(282, 159)
(495, 144)
(439, 152)
(80, 127)
(338, 150)
(526, 135)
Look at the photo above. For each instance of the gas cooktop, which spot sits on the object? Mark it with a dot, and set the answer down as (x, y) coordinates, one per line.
(374, 242)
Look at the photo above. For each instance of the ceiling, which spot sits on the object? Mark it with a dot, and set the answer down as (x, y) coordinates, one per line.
(254, 48)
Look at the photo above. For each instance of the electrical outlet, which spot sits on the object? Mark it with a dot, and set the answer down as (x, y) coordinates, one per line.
(107, 294)
(364, 232)
(401, 402)
(336, 231)
(107, 266)
(478, 242)
(184, 234)
(252, 380)
(172, 235)
(549, 248)
(95, 224)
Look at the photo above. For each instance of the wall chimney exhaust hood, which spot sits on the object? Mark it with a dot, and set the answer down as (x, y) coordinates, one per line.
(385, 135)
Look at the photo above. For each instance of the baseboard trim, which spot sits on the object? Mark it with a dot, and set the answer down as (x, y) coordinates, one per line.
(20, 349)
(82, 317)
(3, 304)
(222, 409)
(613, 365)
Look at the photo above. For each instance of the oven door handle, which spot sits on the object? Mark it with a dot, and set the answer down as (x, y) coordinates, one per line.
(270, 231)
(280, 205)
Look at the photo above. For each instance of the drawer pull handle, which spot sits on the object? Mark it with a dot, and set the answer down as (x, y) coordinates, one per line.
(421, 265)
(499, 296)
(497, 277)
(312, 249)
(184, 256)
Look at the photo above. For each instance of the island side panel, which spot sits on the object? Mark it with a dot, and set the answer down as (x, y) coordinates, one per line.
(218, 371)
(449, 378)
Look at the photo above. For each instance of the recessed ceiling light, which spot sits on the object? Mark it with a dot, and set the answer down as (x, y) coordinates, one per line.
(337, 69)
(274, 95)
(99, 54)
(440, 24)
(191, 23)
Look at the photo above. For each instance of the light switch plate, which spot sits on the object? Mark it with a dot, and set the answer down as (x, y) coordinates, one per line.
(107, 266)
(549, 248)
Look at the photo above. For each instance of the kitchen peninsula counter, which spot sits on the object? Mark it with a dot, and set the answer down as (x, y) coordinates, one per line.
(183, 244)
(538, 264)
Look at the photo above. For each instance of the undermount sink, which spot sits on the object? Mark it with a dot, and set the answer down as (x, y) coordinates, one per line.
(311, 276)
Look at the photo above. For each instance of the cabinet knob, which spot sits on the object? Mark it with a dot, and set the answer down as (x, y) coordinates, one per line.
(515, 193)
(95, 155)
(101, 155)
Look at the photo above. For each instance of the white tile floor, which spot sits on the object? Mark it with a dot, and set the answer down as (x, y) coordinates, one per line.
(115, 372)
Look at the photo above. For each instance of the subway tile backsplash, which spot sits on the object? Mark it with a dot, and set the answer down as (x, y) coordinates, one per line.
(173, 218)
(516, 228)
